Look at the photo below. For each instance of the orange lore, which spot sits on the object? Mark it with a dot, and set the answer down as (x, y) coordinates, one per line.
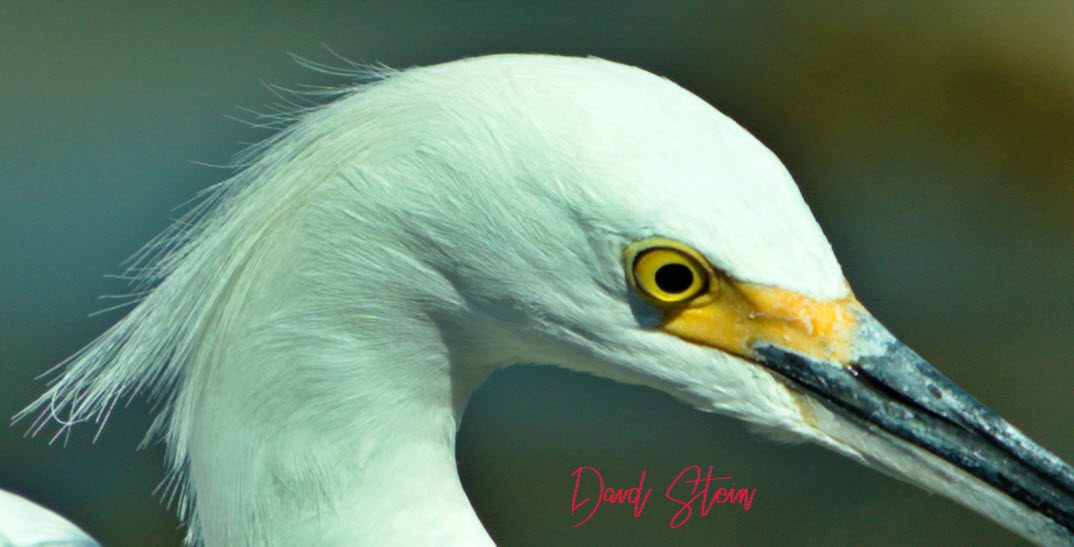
(738, 315)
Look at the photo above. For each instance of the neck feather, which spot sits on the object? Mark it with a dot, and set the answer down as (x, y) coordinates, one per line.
(331, 440)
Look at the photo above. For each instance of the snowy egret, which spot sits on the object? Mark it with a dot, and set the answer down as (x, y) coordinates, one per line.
(314, 330)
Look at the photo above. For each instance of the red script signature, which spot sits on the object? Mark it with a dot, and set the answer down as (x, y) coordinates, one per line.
(689, 490)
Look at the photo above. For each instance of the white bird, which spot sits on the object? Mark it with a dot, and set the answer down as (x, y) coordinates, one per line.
(314, 332)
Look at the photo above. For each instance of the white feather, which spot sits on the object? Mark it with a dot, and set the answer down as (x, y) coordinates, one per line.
(314, 330)
(26, 524)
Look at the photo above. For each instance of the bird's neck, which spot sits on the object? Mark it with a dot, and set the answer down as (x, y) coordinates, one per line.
(332, 441)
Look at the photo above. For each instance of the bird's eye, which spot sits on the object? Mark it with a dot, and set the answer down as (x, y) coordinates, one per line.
(668, 275)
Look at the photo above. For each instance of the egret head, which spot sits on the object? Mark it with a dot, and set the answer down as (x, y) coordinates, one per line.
(457, 218)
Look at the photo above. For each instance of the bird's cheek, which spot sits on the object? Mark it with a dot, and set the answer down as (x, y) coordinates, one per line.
(744, 315)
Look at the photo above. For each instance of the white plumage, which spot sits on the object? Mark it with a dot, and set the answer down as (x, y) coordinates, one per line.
(24, 523)
(316, 328)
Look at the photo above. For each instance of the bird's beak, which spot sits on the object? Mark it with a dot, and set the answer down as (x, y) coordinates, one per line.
(839, 354)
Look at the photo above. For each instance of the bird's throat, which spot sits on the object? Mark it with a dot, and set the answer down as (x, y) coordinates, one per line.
(378, 468)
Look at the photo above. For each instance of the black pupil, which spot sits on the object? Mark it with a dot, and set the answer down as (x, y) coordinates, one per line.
(674, 278)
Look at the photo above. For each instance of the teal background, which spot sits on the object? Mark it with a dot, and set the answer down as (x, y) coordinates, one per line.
(934, 141)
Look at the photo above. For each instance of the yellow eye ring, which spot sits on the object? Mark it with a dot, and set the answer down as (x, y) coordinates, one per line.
(665, 273)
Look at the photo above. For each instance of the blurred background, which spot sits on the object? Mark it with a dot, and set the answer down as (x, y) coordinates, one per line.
(934, 142)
